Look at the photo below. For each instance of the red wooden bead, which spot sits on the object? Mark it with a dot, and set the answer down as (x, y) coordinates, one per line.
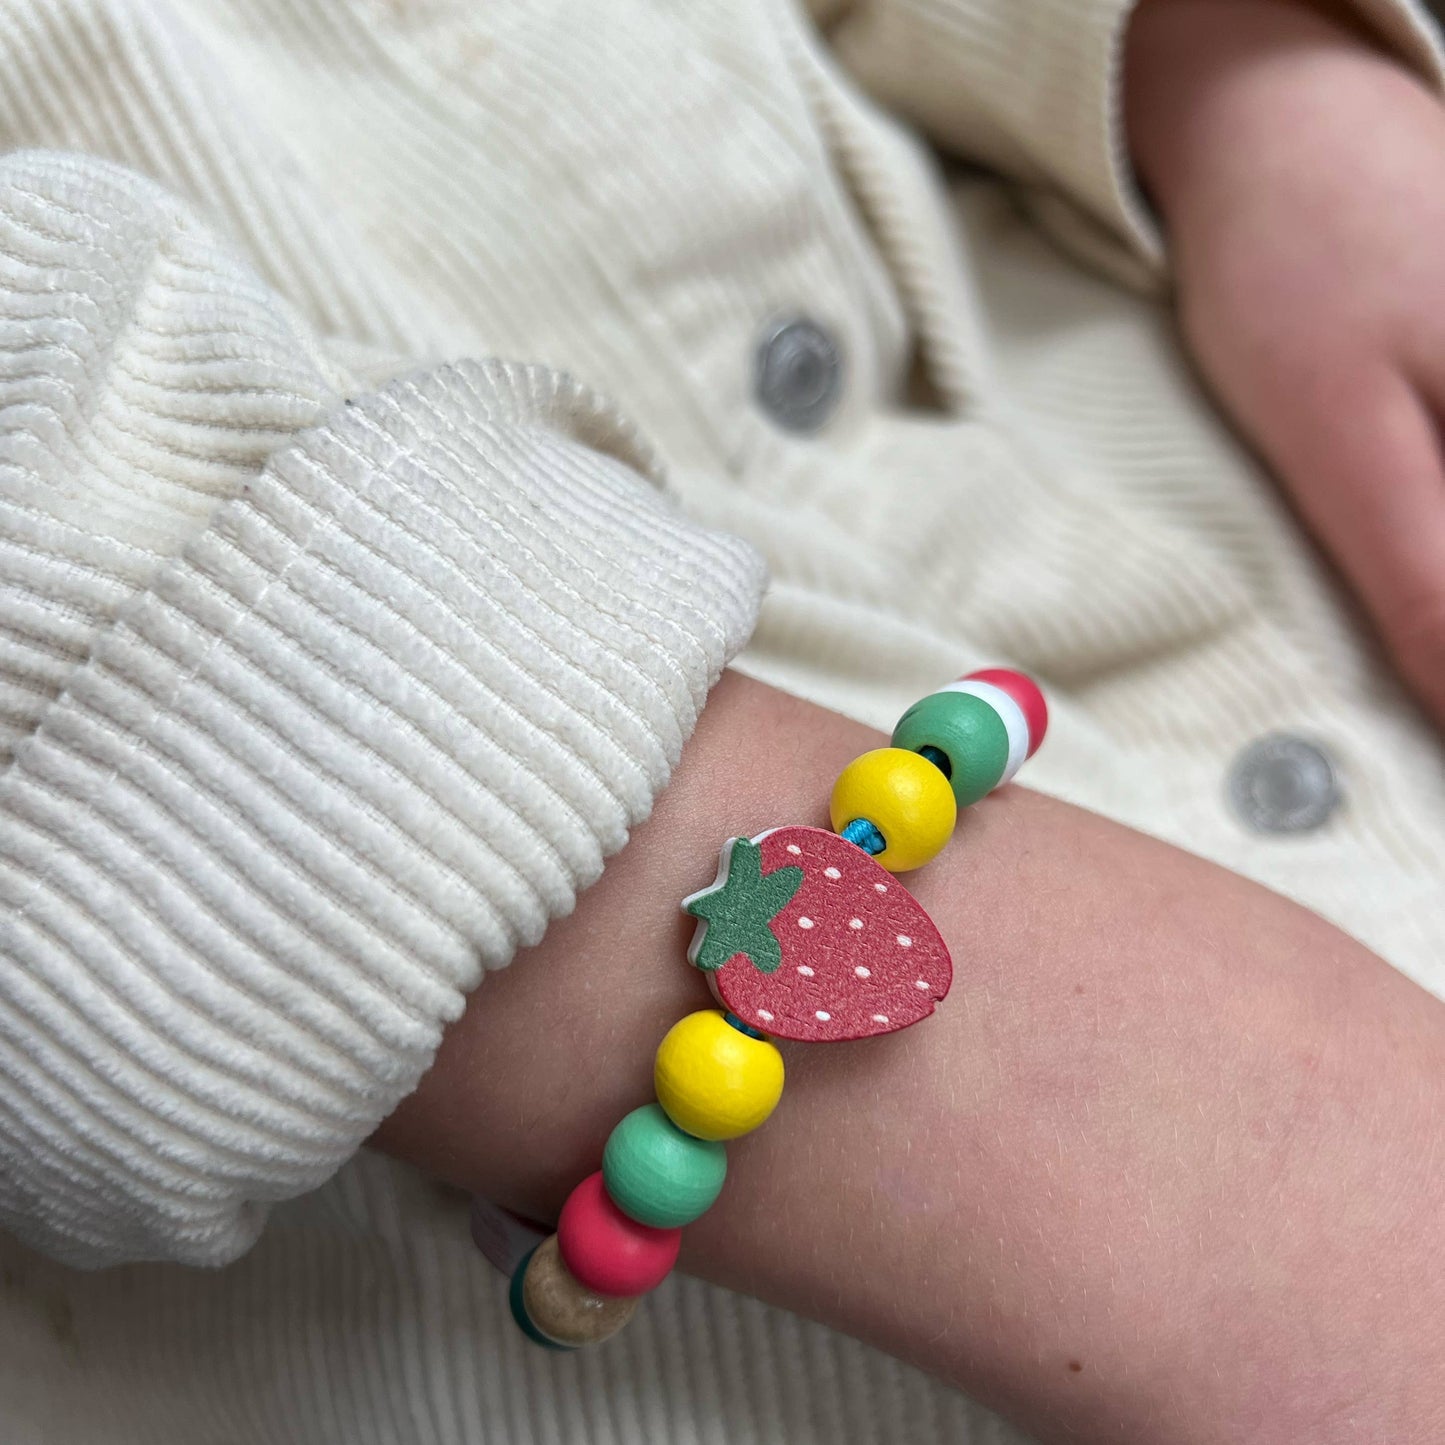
(608, 1252)
(1024, 691)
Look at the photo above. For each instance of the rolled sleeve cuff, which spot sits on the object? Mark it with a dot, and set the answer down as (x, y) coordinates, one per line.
(384, 718)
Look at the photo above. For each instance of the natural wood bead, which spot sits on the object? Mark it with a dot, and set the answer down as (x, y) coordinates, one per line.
(519, 1310)
(564, 1310)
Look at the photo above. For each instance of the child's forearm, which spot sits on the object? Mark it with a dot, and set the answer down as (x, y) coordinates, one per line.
(1160, 1168)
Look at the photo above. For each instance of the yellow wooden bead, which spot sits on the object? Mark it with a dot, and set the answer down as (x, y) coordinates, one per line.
(905, 797)
(714, 1081)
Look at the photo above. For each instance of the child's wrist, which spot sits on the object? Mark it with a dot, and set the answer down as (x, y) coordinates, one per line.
(613, 976)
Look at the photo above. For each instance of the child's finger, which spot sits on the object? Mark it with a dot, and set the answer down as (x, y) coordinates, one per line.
(1372, 485)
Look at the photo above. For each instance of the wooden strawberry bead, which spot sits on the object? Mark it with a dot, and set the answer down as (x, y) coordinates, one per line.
(804, 936)
(714, 1081)
(606, 1250)
(659, 1175)
(563, 1310)
(905, 797)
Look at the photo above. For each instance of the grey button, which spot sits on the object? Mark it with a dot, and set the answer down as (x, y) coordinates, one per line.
(1283, 784)
(798, 374)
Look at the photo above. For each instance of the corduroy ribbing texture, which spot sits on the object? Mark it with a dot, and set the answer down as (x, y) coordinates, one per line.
(275, 802)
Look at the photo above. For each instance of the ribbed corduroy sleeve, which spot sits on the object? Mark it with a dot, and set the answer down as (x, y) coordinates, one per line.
(317, 710)
(1032, 89)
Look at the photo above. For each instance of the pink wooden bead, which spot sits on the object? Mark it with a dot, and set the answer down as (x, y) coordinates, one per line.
(609, 1252)
(1024, 691)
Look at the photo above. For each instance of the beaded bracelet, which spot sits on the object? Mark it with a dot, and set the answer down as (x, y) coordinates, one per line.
(805, 936)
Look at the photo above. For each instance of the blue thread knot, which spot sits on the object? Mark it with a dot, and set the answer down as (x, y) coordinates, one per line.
(862, 833)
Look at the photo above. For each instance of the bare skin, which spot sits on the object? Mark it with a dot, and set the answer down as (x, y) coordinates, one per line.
(1164, 1167)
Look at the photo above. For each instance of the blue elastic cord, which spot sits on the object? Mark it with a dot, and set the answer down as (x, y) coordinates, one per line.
(938, 758)
(865, 835)
(743, 1028)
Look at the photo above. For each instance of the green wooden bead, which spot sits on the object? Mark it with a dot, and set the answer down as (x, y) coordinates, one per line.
(967, 731)
(659, 1175)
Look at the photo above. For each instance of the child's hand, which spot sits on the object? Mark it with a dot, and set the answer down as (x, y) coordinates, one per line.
(1301, 176)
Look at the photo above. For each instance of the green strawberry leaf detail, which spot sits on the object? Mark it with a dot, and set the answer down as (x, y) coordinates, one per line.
(739, 910)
